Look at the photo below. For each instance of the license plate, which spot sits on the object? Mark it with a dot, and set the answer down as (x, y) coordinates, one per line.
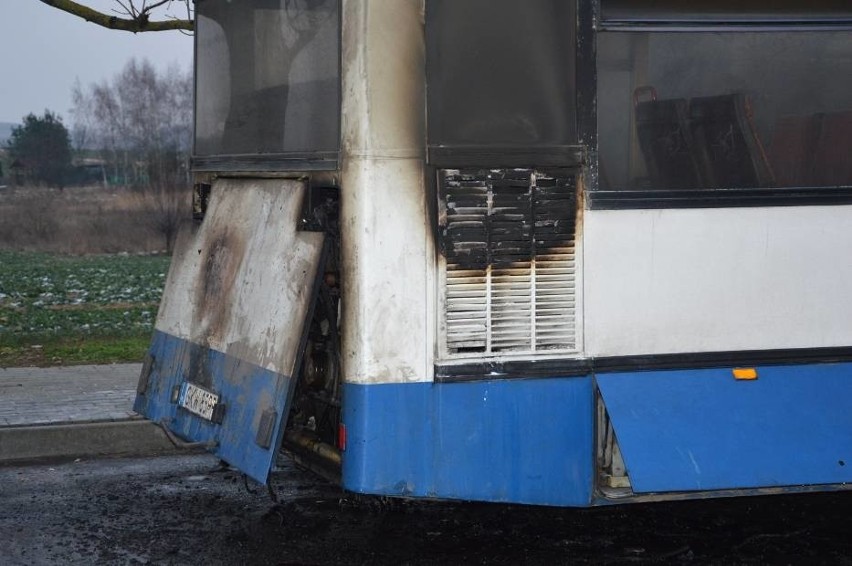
(197, 400)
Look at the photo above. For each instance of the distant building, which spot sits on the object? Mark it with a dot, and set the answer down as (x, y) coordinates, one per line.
(90, 171)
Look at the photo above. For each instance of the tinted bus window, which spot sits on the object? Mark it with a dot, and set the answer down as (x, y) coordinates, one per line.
(724, 110)
(500, 72)
(267, 77)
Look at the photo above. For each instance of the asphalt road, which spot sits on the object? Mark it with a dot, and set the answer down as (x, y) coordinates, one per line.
(186, 510)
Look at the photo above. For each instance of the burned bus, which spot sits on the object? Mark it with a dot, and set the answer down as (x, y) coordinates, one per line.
(555, 252)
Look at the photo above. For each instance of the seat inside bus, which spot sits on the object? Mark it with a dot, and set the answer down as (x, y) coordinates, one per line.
(704, 142)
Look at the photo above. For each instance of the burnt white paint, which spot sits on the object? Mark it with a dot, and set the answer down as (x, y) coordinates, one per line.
(704, 280)
(241, 282)
(388, 256)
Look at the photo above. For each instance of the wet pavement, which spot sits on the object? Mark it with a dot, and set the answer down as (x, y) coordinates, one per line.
(188, 510)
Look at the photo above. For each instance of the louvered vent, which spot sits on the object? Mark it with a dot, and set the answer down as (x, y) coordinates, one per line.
(508, 238)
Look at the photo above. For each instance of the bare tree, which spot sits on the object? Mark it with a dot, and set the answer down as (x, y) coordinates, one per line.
(83, 114)
(164, 208)
(134, 15)
(142, 122)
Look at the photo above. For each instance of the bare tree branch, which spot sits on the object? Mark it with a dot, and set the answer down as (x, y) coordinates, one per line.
(155, 4)
(138, 20)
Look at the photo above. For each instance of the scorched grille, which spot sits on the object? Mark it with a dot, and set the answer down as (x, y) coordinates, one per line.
(508, 236)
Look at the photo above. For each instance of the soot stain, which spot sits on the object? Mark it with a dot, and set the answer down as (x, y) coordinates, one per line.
(217, 278)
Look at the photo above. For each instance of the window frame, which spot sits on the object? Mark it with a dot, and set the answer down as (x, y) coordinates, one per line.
(703, 16)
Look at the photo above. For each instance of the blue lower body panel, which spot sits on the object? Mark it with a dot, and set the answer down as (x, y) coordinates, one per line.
(521, 441)
(246, 389)
(692, 430)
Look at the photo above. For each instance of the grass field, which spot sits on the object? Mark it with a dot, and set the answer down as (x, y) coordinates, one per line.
(89, 220)
(86, 309)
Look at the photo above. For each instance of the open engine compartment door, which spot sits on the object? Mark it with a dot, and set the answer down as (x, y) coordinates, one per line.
(689, 430)
(231, 325)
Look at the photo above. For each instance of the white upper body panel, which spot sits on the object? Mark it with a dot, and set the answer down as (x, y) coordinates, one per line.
(727, 279)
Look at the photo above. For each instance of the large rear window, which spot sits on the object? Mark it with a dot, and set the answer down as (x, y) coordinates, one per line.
(268, 78)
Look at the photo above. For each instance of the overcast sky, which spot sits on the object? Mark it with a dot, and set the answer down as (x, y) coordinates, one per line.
(43, 50)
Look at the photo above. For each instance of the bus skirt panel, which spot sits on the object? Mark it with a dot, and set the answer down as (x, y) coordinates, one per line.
(519, 441)
(733, 428)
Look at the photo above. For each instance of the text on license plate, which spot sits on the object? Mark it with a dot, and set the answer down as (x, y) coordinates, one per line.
(197, 400)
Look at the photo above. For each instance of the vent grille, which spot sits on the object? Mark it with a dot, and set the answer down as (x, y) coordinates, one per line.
(508, 238)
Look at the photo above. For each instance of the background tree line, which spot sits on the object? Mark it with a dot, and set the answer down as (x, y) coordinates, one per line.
(139, 124)
(132, 133)
(137, 127)
(40, 151)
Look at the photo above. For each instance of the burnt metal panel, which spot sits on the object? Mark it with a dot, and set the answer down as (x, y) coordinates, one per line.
(233, 321)
(500, 216)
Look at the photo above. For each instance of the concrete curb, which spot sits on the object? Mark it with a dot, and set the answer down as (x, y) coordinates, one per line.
(136, 437)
